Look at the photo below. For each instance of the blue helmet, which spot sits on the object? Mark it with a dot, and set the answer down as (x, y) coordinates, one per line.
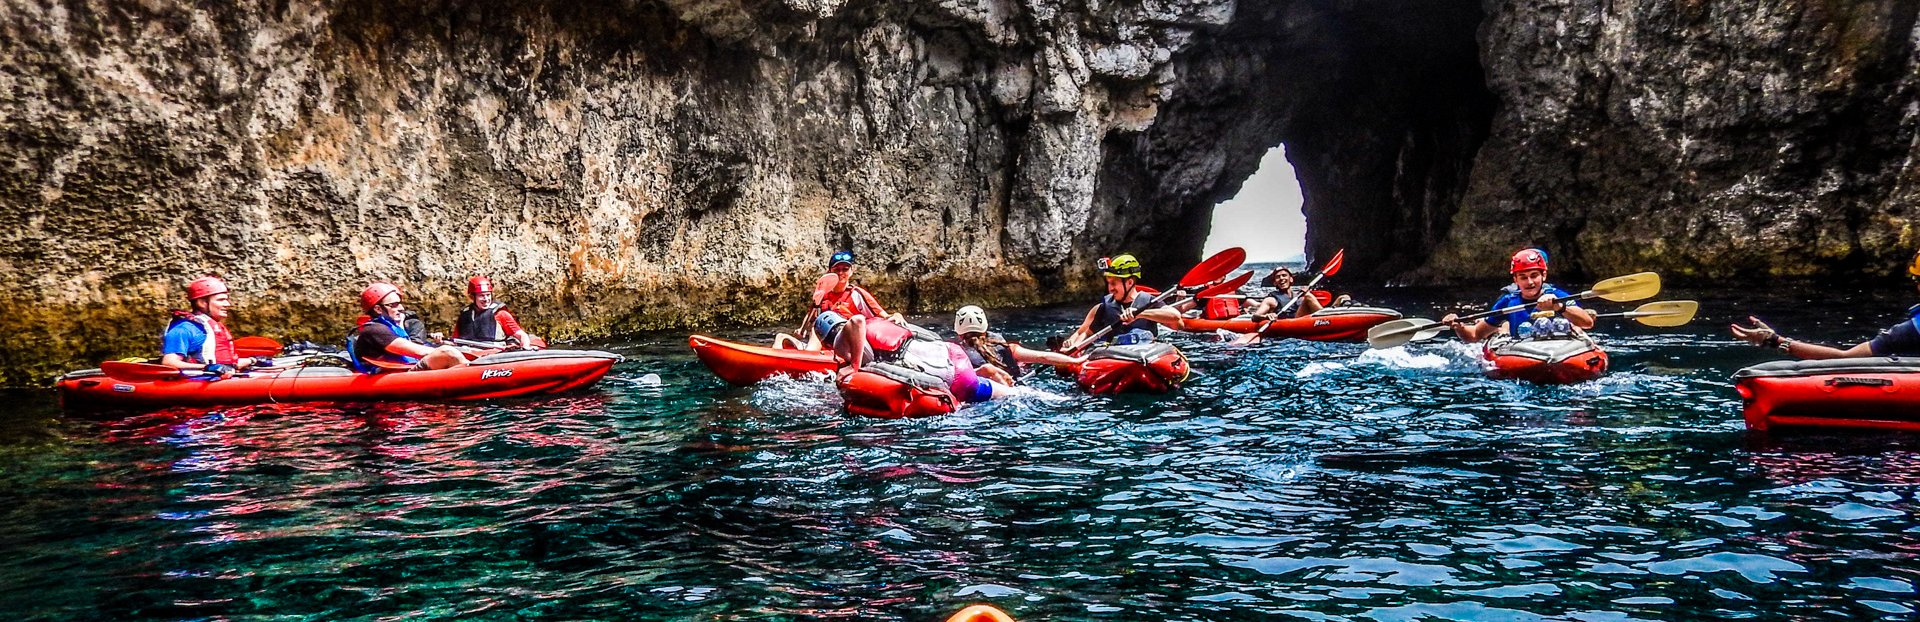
(841, 257)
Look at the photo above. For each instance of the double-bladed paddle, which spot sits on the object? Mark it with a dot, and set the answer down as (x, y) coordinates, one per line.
(1618, 289)
(144, 372)
(1219, 265)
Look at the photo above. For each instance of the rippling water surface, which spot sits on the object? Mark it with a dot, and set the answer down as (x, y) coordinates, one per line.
(1286, 481)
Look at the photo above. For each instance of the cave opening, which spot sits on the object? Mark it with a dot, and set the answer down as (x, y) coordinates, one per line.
(1265, 217)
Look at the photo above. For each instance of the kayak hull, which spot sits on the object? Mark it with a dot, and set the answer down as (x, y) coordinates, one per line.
(1335, 324)
(1860, 393)
(1550, 361)
(743, 364)
(509, 374)
(893, 392)
(1142, 368)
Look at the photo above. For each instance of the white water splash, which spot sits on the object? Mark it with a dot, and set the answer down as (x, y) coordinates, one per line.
(1390, 359)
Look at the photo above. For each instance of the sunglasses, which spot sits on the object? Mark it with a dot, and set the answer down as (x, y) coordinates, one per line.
(391, 305)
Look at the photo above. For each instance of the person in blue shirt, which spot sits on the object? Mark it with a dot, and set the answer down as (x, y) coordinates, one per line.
(197, 338)
(1529, 270)
(1902, 339)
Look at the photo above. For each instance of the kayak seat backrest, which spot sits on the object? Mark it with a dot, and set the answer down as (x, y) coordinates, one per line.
(1142, 353)
(1866, 365)
(909, 377)
(317, 372)
(516, 356)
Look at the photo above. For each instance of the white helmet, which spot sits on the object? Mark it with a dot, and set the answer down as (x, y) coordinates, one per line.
(969, 319)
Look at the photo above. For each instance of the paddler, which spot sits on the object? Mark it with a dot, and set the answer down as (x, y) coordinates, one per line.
(992, 356)
(1902, 339)
(1130, 313)
(841, 312)
(1529, 270)
(382, 335)
(197, 338)
(1284, 293)
(488, 319)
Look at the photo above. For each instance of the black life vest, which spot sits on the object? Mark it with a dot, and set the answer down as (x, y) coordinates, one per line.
(483, 325)
(1000, 349)
(1110, 315)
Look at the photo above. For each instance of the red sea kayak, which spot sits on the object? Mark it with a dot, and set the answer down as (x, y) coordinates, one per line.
(743, 364)
(1140, 368)
(1332, 324)
(891, 391)
(506, 374)
(1860, 393)
(1545, 361)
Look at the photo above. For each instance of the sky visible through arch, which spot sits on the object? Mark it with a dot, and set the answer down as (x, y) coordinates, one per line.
(1265, 217)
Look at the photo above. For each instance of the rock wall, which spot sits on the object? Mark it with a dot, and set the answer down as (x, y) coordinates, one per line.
(621, 165)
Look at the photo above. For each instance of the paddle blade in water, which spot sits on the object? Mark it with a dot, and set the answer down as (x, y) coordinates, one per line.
(1219, 265)
(1401, 331)
(1628, 288)
(1665, 314)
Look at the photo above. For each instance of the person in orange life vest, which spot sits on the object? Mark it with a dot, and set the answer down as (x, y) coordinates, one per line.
(841, 310)
(1529, 270)
(383, 336)
(488, 320)
(197, 339)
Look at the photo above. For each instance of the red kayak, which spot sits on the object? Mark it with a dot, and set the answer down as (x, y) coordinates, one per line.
(1140, 368)
(743, 364)
(1861, 393)
(1331, 324)
(1545, 361)
(506, 374)
(890, 391)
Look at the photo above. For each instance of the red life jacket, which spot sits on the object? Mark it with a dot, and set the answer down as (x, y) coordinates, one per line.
(218, 347)
(849, 303)
(886, 336)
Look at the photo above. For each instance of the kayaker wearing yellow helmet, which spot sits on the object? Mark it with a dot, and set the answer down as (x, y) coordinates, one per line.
(1903, 339)
(1132, 320)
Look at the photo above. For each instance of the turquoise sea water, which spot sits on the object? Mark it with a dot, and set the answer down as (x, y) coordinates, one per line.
(1286, 481)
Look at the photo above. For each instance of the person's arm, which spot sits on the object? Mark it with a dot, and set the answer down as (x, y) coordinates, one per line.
(407, 347)
(1578, 316)
(514, 330)
(1760, 334)
(1308, 304)
(1470, 333)
(1043, 357)
(1165, 315)
(1085, 329)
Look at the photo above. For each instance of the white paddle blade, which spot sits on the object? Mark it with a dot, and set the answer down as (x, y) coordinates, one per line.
(1665, 314)
(1398, 332)
(1628, 288)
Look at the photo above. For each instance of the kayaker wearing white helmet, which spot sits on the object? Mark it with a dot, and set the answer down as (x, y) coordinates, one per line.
(1902, 339)
(992, 355)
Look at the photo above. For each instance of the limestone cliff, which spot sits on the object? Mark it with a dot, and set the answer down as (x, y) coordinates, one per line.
(628, 164)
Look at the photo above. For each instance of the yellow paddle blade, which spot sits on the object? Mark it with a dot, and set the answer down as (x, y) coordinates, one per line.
(1665, 314)
(1628, 288)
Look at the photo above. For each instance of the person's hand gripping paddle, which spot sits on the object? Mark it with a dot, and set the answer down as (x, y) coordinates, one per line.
(1618, 289)
(1219, 265)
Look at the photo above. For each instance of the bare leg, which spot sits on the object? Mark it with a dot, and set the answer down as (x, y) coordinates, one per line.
(443, 357)
(850, 345)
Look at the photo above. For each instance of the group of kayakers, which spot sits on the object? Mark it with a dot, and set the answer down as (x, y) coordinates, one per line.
(386, 336)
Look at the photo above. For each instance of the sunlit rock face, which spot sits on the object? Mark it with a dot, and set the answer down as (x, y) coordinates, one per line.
(627, 165)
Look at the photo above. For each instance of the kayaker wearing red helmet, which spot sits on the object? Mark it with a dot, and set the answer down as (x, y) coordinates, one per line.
(841, 312)
(1903, 339)
(1131, 313)
(383, 336)
(1529, 270)
(1284, 293)
(197, 338)
(488, 320)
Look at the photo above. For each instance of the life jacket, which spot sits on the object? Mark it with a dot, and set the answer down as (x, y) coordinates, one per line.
(218, 347)
(1510, 296)
(1000, 349)
(353, 341)
(1222, 308)
(482, 325)
(1109, 315)
(851, 302)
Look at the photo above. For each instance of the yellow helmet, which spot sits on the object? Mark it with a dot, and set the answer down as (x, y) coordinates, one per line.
(1913, 267)
(1121, 266)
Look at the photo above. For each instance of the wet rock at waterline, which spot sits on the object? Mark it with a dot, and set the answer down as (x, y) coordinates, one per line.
(639, 164)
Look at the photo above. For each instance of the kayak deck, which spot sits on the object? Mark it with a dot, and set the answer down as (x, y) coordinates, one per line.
(506, 374)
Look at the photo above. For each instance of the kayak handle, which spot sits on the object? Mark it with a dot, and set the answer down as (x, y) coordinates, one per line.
(1847, 381)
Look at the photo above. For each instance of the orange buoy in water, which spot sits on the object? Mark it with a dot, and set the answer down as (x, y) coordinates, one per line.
(980, 613)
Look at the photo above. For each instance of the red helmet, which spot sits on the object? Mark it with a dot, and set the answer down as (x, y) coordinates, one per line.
(479, 285)
(205, 286)
(1529, 259)
(375, 293)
